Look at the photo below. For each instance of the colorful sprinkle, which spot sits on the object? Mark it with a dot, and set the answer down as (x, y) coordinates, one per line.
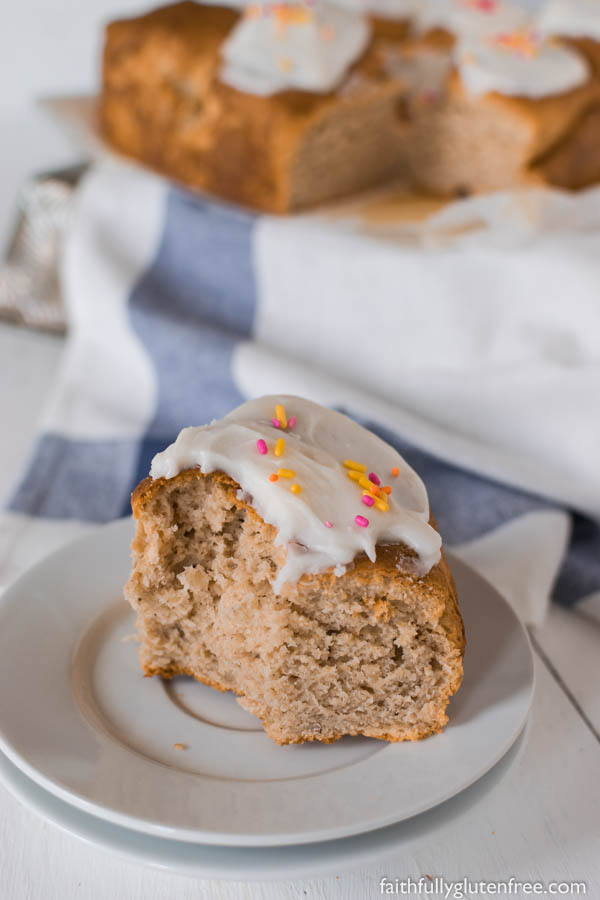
(261, 446)
(375, 478)
(275, 423)
(296, 489)
(381, 504)
(273, 477)
(280, 415)
(328, 524)
(386, 489)
(362, 521)
(522, 42)
(368, 500)
(395, 471)
(286, 473)
(355, 466)
(355, 476)
(279, 447)
(292, 422)
(368, 484)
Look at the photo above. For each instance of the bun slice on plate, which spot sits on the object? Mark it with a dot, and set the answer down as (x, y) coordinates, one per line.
(287, 554)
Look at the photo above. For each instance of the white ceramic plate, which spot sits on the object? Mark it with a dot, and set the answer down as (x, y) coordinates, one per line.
(78, 718)
(257, 863)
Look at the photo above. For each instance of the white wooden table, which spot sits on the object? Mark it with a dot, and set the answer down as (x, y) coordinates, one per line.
(541, 823)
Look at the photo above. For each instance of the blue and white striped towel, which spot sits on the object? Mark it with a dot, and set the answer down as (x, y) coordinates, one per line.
(471, 342)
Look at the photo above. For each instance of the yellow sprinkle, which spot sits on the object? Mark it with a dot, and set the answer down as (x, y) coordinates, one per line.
(355, 476)
(296, 489)
(381, 504)
(280, 414)
(374, 491)
(279, 447)
(286, 473)
(356, 466)
(366, 483)
(179, 746)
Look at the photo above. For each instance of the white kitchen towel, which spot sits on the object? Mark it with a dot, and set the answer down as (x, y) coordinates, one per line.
(470, 340)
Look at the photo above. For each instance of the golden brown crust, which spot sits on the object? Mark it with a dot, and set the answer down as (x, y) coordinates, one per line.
(574, 162)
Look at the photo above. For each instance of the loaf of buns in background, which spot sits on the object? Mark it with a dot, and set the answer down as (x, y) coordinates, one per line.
(163, 103)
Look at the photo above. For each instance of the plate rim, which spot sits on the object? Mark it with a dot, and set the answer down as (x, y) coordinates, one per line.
(231, 839)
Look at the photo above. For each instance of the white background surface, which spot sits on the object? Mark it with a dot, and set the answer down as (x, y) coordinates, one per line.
(542, 822)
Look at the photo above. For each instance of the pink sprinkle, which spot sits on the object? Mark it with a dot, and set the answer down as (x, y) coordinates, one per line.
(292, 422)
(374, 478)
(276, 423)
(368, 501)
(362, 521)
(261, 446)
(327, 524)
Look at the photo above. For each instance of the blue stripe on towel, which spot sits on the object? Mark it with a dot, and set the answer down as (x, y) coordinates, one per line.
(580, 573)
(190, 309)
(87, 480)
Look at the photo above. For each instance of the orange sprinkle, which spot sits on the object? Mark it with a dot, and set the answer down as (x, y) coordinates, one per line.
(395, 471)
(296, 489)
(386, 489)
(273, 477)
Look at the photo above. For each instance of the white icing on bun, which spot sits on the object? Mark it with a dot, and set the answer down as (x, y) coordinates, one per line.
(293, 46)
(318, 525)
(500, 48)
(519, 64)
